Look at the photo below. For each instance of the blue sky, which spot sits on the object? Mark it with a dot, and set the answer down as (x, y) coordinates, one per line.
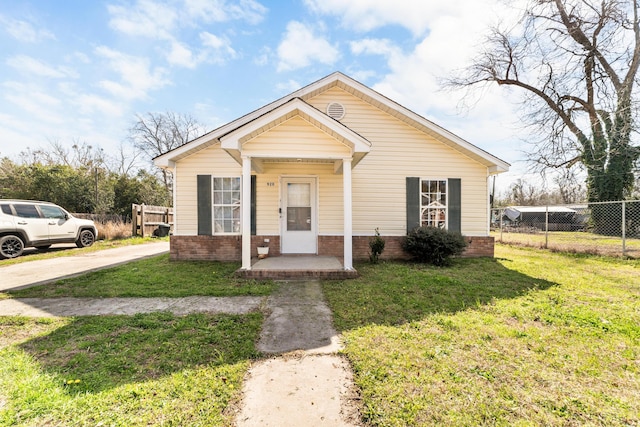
(79, 71)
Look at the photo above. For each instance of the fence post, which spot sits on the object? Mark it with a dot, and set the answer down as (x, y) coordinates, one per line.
(142, 219)
(546, 227)
(134, 220)
(501, 212)
(624, 230)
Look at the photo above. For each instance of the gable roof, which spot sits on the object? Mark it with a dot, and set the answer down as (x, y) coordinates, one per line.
(346, 83)
(358, 145)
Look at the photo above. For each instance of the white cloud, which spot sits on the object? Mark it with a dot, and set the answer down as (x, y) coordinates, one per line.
(382, 47)
(24, 31)
(35, 101)
(212, 40)
(179, 54)
(135, 73)
(221, 10)
(146, 18)
(263, 57)
(217, 49)
(27, 64)
(301, 47)
(166, 22)
(77, 57)
(288, 86)
(367, 15)
(91, 104)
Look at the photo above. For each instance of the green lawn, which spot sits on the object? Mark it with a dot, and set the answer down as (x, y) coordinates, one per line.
(580, 242)
(148, 369)
(531, 338)
(154, 277)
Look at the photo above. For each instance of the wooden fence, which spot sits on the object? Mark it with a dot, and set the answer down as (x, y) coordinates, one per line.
(145, 219)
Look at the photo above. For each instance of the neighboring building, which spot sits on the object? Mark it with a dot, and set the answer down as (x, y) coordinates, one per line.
(551, 218)
(332, 159)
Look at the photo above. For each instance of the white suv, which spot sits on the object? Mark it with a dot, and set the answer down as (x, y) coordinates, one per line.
(25, 223)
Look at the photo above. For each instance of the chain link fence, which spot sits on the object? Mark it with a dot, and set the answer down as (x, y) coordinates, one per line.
(605, 228)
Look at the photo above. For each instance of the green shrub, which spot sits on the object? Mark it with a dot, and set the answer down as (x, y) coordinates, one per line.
(376, 244)
(433, 245)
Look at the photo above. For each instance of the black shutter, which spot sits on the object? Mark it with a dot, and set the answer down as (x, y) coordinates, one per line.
(455, 201)
(253, 205)
(413, 203)
(204, 205)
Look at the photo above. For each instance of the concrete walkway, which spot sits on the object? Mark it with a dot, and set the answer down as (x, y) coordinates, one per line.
(311, 386)
(33, 273)
(53, 307)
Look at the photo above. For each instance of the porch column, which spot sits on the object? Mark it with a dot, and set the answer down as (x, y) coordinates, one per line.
(348, 215)
(246, 213)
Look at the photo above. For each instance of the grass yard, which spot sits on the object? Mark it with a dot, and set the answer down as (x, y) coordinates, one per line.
(532, 338)
(153, 277)
(580, 242)
(148, 369)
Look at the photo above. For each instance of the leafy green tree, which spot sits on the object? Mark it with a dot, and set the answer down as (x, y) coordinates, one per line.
(142, 188)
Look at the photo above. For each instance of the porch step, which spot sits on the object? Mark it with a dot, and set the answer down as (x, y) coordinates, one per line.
(297, 274)
(297, 267)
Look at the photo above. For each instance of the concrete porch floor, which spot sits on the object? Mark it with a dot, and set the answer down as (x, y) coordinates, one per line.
(287, 267)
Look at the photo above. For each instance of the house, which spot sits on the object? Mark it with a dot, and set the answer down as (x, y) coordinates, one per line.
(334, 159)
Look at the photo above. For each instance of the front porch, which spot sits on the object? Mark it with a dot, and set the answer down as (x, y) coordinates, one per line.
(291, 267)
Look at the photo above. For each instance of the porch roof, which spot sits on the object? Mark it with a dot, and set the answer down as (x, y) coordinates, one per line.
(351, 144)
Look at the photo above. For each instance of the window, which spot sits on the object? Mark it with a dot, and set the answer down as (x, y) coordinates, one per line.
(433, 203)
(26, 211)
(226, 205)
(52, 212)
(6, 209)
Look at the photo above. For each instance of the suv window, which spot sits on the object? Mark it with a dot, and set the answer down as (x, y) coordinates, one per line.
(26, 211)
(52, 212)
(6, 209)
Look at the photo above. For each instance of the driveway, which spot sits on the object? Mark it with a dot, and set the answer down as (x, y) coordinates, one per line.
(47, 270)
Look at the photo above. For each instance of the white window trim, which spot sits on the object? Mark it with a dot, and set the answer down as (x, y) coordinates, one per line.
(446, 210)
(213, 207)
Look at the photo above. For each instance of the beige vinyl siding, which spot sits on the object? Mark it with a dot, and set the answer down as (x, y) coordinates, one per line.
(329, 204)
(399, 151)
(216, 162)
(210, 161)
(295, 137)
(379, 195)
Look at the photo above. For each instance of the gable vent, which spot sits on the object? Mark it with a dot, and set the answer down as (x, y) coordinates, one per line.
(335, 110)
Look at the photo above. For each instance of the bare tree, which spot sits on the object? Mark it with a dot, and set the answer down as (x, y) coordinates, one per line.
(78, 155)
(576, 62)
(157, 133)
(124, 161)
(570, 189)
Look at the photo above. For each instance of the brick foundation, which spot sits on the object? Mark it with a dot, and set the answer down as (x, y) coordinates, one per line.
(229, 248)
(207, 248)
(478, 246)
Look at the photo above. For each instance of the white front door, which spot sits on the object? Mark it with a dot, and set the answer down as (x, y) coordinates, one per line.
(299, 222)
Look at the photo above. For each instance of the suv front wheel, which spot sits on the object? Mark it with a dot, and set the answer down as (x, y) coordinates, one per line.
(11, 246)
(85, 239)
